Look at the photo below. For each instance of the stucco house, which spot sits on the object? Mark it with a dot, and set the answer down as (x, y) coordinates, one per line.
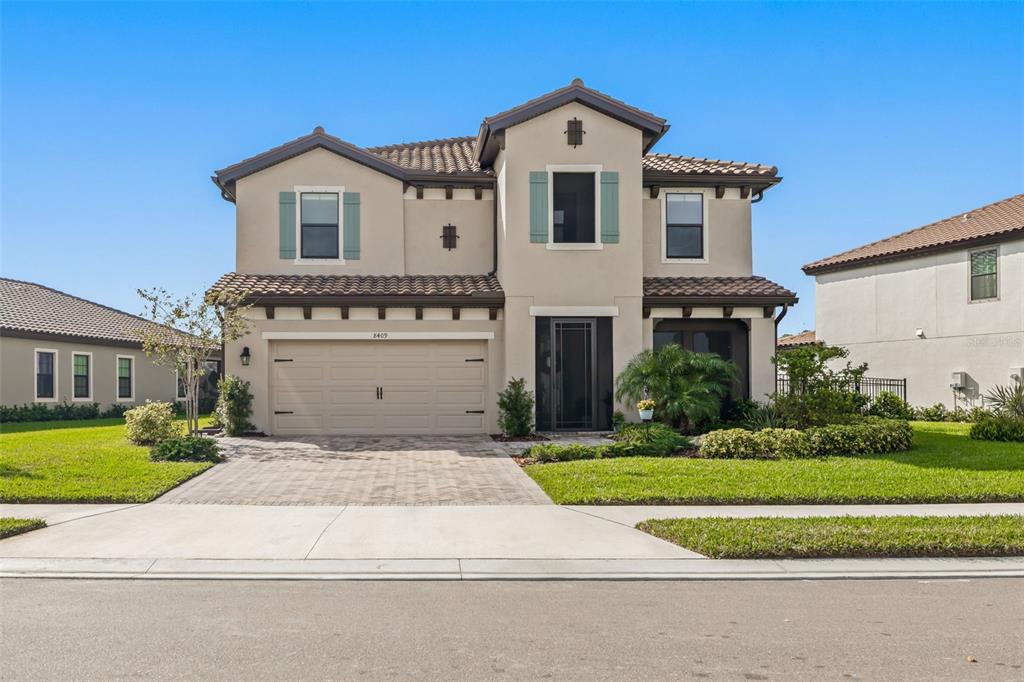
(941, 305)
(397, 289)
(58, 348)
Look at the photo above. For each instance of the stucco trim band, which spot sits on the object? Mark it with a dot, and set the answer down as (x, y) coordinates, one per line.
(574, 311)
(381, 335)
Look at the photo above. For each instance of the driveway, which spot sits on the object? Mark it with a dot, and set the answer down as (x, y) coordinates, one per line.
(355, 470)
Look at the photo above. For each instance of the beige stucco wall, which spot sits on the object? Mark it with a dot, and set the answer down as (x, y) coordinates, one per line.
(727, 222)
(290, 320)
(875, 312)
(473, 220)
(17, 372)
(382, 249)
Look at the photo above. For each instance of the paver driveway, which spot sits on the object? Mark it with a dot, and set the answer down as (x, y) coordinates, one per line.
(370, 470)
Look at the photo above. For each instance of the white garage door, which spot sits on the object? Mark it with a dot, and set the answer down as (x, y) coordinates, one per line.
(378, 387)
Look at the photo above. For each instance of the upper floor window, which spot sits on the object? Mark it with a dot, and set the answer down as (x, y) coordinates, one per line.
(125, 377)
(81, 376)
(46, 375)
(319, 225)
(573, 208)
(684, 225)
(984, 280)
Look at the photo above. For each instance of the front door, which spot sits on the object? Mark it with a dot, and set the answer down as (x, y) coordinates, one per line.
(571, 386)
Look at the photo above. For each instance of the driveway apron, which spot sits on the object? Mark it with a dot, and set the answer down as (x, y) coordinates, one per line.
(355, 470)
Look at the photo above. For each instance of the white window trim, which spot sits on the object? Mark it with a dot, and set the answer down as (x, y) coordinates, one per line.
(706, 231)
(56, 375)
(177, 378)
(597, 244)
(117, 383)
(970, 254)
(326, 189)
(92, 372)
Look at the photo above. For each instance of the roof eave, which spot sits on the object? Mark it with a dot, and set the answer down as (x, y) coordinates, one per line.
(715, 301)
(490, 300)
(757, 182)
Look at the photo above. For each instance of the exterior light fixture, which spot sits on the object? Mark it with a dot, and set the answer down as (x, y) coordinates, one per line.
(245, 356)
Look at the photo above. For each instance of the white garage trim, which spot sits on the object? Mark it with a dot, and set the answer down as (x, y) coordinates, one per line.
(574, 310)
(377, 336)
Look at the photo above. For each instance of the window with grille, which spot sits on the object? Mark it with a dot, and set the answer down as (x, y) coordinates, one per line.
(80, 375)
(449, 237)
(574, 132)
(984, 282)
(319, 231)
(125, 367)
(45, 383)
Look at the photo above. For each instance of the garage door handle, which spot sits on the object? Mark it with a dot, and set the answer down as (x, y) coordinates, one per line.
(283, 360)
(474, 359)
(474, 411)
(282, 412)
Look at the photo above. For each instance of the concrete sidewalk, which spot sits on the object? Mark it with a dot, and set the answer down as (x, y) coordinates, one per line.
(443, 542)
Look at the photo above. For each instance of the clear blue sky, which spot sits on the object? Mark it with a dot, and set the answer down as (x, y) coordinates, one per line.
(880, 117)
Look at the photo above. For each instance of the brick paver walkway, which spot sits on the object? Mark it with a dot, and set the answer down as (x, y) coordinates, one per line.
(361, 470)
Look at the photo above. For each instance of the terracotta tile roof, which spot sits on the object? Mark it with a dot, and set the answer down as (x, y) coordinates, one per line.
(1003, 218)
(361, 286)
(807, 338)
(755, 290)
(690, 165)
(30, 308)
(447, 156)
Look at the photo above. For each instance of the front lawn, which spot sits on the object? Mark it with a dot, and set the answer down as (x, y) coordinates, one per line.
(944, 466)
(82, 461)
(844, 537)
(11, 526)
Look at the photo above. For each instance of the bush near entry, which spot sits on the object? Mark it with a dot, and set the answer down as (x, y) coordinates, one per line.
(515, 409)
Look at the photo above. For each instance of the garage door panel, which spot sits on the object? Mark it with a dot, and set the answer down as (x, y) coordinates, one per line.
(331, 387)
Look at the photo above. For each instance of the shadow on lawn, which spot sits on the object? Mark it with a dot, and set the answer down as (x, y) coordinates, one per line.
(8, 471)
(956, 452)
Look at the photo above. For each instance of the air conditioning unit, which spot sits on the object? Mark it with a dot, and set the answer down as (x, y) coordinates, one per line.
(959, 381)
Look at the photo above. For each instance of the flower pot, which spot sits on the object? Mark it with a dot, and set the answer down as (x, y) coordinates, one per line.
(646, 415)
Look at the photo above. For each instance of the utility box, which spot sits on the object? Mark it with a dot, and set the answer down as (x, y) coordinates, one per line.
(959, 381)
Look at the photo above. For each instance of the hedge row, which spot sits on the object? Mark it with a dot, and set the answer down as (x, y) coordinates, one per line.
(999, 427)
(868, 437)
(41, 412)
(633, 440)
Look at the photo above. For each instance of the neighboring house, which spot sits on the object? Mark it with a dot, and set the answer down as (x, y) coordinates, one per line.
(57, 348)
(804, 338)
(397, 289)
(941, 305)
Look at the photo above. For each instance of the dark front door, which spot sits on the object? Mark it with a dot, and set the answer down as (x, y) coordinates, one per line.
(573, 383)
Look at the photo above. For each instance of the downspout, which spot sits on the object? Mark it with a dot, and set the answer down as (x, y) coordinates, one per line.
(494, 228)
(778, 318)
(756, 198)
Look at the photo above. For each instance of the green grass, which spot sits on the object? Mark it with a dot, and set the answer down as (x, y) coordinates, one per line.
(82, 461)
(944, 466)
(11, 526)
(844, 537)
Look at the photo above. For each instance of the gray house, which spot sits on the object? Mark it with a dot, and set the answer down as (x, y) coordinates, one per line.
(57, 348)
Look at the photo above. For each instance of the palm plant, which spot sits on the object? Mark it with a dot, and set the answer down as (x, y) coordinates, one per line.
(1008, 400)
(688, 387)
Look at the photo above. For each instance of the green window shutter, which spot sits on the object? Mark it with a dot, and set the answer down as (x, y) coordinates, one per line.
(351, 227)
(539, 207)
(609, 207)
(286, 235)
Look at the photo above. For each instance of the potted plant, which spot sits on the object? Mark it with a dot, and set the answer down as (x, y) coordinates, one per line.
(646, 409)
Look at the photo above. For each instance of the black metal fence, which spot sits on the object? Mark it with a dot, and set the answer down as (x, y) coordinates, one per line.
(869, 386)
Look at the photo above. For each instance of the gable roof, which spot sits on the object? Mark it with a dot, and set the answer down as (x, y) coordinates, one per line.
(992, 223)
(653, 127)
(32, 310)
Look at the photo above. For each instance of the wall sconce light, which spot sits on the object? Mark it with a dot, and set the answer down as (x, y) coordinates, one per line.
(245, 356)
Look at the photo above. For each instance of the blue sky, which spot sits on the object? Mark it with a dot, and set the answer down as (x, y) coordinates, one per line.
(881, 117)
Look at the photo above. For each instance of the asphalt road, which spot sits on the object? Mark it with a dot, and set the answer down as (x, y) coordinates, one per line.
(823, 630)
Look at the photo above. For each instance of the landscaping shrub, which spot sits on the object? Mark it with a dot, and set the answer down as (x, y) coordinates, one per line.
(150, 423)
(41, 412)
(888, 405)
(783, 444)
(817, 394)
(762, 417)
(730, 444)
(186, 449)
(1008, 400)
(998, 427)
(868, 437)
(976, 414)
(515, 409)
(618, 420)
(665, 437)
(564, 452)
(935, 413)
(234, 405)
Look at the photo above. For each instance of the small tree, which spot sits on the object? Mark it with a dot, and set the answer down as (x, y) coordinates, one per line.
(515, 409)
(234, 405)
(189, 332)
(819, 394)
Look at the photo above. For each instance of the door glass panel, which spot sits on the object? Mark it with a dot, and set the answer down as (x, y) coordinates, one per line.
(574, 374)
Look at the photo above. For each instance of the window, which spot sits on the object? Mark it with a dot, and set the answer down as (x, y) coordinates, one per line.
(319, 224)
(573, 198)
(125, 377)
(46, 375)
(684, 225)
(180, 376)
(81, 376)
(984, 281)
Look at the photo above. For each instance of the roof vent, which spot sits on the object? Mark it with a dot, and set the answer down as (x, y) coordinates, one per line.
(577, 81)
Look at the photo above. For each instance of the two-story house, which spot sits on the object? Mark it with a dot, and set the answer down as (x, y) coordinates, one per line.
(940, 305)
(397, 289)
